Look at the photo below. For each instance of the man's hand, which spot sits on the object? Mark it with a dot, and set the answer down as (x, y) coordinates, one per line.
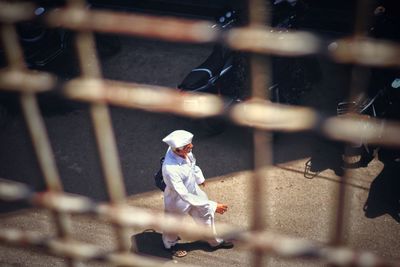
(221, 208)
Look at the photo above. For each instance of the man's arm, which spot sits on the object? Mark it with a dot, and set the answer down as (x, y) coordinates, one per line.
(173, 180)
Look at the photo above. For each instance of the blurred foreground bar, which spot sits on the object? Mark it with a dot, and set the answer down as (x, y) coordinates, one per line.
(146, 97)
(256, 39)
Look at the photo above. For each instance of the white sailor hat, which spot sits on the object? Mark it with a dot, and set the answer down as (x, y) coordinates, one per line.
(178, 138)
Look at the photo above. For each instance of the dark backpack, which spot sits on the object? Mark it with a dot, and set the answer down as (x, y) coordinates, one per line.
(158, 178)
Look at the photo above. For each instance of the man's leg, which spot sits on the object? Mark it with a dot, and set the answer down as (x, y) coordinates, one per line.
(205, 218)
(170, 242)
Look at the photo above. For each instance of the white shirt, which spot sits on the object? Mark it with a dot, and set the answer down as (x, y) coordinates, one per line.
(182, 192)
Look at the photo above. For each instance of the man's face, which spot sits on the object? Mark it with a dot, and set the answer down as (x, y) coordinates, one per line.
(184, 150)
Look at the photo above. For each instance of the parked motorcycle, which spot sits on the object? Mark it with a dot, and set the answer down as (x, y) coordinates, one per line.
(360, 154)
(338, 156)
(224, 72)
(221, 74)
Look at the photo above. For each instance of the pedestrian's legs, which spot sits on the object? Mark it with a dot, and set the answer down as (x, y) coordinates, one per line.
(202, 216)
(169, 239)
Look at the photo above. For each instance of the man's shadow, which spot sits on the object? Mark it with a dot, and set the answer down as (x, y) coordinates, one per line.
(325, 155)
(384, 193)
(149, 243)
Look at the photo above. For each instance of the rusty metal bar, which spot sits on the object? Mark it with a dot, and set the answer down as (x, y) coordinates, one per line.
(340, 216)
(263, 40)
(353, 128)
(14, 54)
(108, 152)
(17, 80)
(259, 81)
(122, 215)
(287, 247)
(146, 97)
(254, 113)
(13, 191)
(40, 141)
(168, 29)
(264, 241)
(256, 38)
(16, 77)
(101, 119)
(12, 12)
(37, 130)
(31, 110)
(365, 51)
(268, 116)
(78, 250)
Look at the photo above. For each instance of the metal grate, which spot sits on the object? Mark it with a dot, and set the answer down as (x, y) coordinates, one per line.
(256, 113)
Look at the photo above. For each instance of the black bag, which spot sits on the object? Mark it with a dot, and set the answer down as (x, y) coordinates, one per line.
(158, 178)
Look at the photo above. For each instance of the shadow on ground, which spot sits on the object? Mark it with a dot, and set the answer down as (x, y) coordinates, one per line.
(149, 243)
(384, 194)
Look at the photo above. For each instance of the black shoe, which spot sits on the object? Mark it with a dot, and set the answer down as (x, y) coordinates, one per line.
(223, 245)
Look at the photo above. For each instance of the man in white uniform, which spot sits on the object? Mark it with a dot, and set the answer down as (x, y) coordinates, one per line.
(182, 194)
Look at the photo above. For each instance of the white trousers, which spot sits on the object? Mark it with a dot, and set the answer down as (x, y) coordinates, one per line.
(170, 240)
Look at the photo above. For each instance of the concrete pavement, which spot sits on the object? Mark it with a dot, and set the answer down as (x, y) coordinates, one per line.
(297, 207)
(294, 206)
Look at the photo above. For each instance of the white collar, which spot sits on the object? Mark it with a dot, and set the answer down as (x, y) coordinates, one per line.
(177, 158)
